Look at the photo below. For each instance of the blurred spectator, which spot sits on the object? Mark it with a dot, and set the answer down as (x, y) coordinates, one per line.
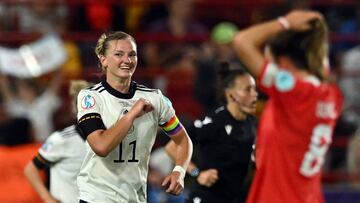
(30, 101)
(353, 158)
(96, 16)
(14, 131)
(179, 21)
(134, 13)
(2, 16)
(350, 82)
(344, 20)
(177, 25)
(72, 68)
(170, 50)
(99, 15)
(214, 52)
(40, 16)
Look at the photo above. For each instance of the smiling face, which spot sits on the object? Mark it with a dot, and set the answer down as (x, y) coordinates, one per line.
(120, 59)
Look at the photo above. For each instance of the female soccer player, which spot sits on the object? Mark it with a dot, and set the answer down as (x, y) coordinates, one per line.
(63, 152)
(119, 119)
(224, 139)
(297, 123)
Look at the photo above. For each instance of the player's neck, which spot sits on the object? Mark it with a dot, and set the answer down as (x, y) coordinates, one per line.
(287, 64)
(235, 113)
(122, 86)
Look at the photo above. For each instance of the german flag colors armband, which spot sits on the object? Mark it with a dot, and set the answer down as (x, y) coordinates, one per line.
(172, 126)
(89, 123)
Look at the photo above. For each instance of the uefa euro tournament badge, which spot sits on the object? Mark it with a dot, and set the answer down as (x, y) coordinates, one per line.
(87, 102)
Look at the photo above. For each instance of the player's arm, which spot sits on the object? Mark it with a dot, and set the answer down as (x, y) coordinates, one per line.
(206, 177)
(103, 141)
(249, 43)
(181, 153)
(32, 173)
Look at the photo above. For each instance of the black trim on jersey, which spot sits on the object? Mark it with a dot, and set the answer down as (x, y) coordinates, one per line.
(145, 89)
(40, 162)
(97, 88)
(118, 94)
(89, 123)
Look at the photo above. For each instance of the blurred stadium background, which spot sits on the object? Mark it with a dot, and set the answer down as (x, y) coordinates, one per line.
(43, 40)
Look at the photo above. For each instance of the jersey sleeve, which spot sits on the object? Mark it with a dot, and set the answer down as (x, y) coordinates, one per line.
(168, 121)
(89, 112)
(52, 149)
(274, 81)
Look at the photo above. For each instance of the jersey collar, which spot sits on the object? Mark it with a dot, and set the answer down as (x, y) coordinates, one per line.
(118, 94)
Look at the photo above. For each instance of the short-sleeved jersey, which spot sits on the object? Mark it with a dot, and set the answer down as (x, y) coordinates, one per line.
(121, 175)
(294, 134)
(226, 145)
(63, 151)
(46, 103)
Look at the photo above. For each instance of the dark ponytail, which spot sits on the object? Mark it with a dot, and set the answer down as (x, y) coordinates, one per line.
(226, 78)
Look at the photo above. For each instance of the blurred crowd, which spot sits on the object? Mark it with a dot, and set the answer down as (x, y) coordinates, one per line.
(181, 42)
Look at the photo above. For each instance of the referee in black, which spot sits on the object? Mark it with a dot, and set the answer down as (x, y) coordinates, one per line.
(224, 141)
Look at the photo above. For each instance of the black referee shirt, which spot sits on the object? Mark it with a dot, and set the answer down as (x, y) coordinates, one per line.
(226, 145)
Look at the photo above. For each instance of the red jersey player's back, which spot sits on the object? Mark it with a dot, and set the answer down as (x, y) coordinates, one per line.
(294, 135)
(296, 126)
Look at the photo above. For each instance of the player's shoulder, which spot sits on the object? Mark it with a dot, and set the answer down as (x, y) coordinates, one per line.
(95, 88)
(143, 88)
(219, 113)
(210, 119)
(69, 131)
(63, 134)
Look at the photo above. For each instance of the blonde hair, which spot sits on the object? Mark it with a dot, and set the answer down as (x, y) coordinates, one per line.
(103, 43)
(76, 86)
(74, 89)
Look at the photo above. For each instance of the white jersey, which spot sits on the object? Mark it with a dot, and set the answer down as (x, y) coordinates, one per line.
(121, 176)
(46, 103)
(64, 152)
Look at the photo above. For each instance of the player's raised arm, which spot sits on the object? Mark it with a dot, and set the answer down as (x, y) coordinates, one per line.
(249, 43)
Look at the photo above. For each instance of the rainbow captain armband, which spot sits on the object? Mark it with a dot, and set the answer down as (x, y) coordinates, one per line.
(172, 126)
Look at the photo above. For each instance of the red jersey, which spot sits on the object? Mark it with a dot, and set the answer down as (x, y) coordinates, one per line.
(294, 134)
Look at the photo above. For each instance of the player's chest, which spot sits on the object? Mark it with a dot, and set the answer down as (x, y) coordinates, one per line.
(114, 109)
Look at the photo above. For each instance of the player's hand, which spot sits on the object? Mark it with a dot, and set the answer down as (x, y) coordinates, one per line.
(208, 177)
(299, 19)
(141, 107)
(173, 183)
